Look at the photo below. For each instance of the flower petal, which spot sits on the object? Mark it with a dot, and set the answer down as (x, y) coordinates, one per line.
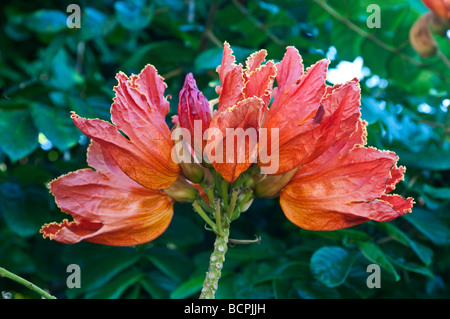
(148, 164)
(108, 207)
(231, 78)
(348, 192)
(145, 153)
(152, 85)
(234, 157)
(331, 124)
(289, 70)
(254, 61)
(259, 83)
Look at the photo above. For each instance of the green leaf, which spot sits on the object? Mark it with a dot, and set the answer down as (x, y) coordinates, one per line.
(157, 285)
(437, 192)
(331, 265)
(314, 290)
(188, 288)
(95, 23)
(425, 160)
(18, 135)
(341, 234)
(182, 232)
(104, 260)
(171, 262)
(24, 208)
(56, 125)
(424, 253)
(133, 15)
(429, 225)
(47, 21)
(211, 58)
(114, 288)
(411, 266)
(374, 253)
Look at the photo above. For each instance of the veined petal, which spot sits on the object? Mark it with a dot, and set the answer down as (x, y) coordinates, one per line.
(259, 83)
(235, 147)
(332, 123)
(148, 164)
(152, 85)
(231, 78)
(145, 153)
(254, 61)
(350, 191)
(107, 207)
(294, 102)
(289, 70)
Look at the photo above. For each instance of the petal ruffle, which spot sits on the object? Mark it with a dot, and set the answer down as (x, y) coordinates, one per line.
(152, 85)
(331, 124)
(231, 80)
(108, 207)
(145, 153)
(347, 192)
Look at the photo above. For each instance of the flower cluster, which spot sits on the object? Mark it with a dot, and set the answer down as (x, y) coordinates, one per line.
(325, 176)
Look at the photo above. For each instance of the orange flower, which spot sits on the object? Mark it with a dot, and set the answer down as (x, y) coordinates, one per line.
(121, 203)
(326, 178)
(324, 174)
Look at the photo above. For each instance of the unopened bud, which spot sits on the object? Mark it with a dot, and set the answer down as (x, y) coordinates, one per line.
(182, 191)
(421, 38)
(271, 185)
(183, 155)
(193, 107)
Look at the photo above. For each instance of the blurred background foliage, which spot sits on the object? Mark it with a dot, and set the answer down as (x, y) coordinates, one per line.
(48, 70)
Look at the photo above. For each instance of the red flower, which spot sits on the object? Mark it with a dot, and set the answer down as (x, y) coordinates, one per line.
(193, 106)
(309, 145)
(327, 177)
(121, 203)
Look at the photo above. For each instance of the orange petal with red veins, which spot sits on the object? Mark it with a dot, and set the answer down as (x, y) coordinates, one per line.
(108, 207)
(148, 164)
(295, 103)
(289, 70)
(348, 192)
(152, 85)
(233, 156)
(254, 61)
(397, 176)
(259, 83)
(231, 78)
(334, 122)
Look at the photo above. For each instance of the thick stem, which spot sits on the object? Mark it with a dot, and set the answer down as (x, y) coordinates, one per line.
(26, 283)
(215, 265)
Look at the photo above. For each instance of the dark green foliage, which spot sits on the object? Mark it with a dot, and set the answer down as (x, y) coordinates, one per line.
(48, 70)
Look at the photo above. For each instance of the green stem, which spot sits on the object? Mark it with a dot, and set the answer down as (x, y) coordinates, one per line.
(218, 216)
(205, 205)
(203, 215)
(26, 283)
(209, 190)
(215, 265)
(234, 196)
(224, 185)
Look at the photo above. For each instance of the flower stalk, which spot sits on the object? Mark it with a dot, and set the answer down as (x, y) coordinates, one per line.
(26, 283)
(216, 261)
